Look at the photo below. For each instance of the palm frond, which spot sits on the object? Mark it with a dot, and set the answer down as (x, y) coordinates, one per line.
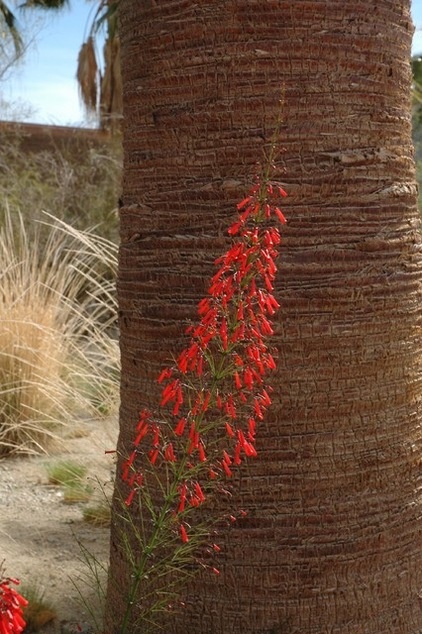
(102, 93)
(106, 15)
(45, 4)
(12, 27)
(87, 75)
(111, 102)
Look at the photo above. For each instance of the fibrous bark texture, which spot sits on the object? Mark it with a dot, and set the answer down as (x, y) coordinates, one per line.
(332, 540)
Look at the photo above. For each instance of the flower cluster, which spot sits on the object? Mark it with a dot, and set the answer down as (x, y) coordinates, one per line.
(216, 390)
(11, 604)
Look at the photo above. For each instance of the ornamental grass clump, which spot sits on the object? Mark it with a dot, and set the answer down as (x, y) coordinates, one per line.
(72, 478)
(213, 400)
(39, 610)
(58, 356)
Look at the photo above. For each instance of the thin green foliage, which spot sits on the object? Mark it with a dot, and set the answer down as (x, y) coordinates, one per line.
(158, 561)
(91, 585)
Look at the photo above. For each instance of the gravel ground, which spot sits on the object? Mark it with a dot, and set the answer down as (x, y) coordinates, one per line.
(40, 535)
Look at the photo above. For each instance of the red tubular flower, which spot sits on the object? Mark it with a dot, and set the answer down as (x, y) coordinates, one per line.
(169, 454)
(266, 327)
(206, 401)
(182, 500)
(183, 534)
(131, 480)
(266, 400)
(129, 498)
(241, 437)
(244, 202)
(269, 361)
(200, 366)
(226, 462)
(258, 410)
(177, 398)
(172, 392)
(245, 214)
(143, 419)
(268, 283)
(127, 466)
(197, 405)
(198, 491)
(207, 319)
(153, 455)
(156, 438)
(142, 433)
(258, 375)
(238, 334)
(236, 457)
(188, 359)
(11, 604)
(201, 451)
(204, 306)
(248, 378)
(238, 360)
(223, 333)
(194, 500)
(271, 304)
(217, 276)
(182, 362)
(167, 394)
(249, 449)
(252, 288)
(230, 407)
(194, 443)
(280, 215)
(229, 430)
(251, 427)
(180, 427)
(207, 336)
(165, 374)
(243, 397)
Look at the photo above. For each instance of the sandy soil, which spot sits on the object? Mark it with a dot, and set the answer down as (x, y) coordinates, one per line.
(39, 533)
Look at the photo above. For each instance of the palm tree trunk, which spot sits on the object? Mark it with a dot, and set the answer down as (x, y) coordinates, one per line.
(332, 541)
